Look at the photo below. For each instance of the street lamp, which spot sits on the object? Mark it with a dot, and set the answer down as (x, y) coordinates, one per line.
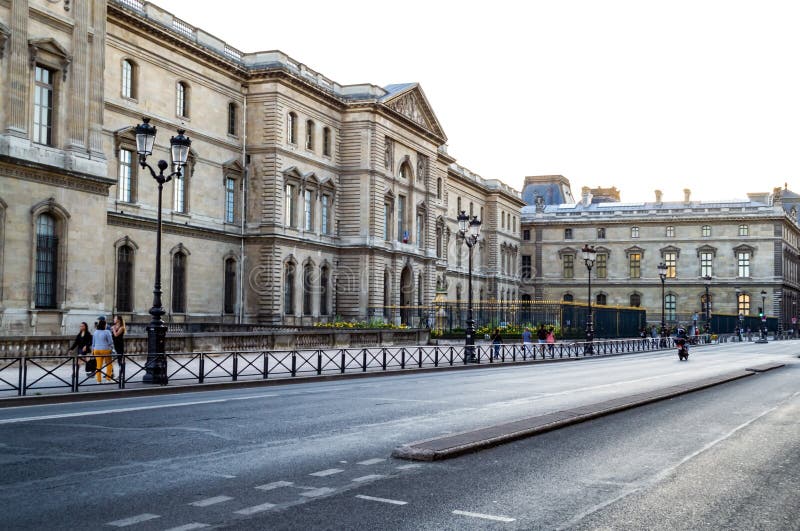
(156, 365)
(739, 311)
(589, 254)
(707, 282)
(763, 316)
(469, 229)
(662, 273)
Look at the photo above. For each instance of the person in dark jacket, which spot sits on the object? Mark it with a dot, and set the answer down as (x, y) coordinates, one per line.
(497, 340)
(118, 333)
(83, 342)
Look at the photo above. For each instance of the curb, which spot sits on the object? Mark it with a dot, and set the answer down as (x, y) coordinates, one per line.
(453, 445)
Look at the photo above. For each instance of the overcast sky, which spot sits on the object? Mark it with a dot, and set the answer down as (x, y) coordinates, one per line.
(641, 95)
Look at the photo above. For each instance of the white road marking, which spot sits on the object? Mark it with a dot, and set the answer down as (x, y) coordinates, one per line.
(188, 527)
(382, 500)
(139, 518)
(372, 461)
(317, 492)
(485, 516)
(211, 501)
(407, 467)
(124, 410)
(255, 509)
(328, 472)
(275, 485)
(371, 477)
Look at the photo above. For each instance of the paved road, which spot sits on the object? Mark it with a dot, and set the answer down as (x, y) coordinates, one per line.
(316, 456)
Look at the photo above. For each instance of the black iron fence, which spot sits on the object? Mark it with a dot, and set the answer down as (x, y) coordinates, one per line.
(25, 375)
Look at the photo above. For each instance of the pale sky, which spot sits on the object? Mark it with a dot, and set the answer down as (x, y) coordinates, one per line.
(639, 94)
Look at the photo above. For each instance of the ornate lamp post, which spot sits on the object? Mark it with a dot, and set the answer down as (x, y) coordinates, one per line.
(469, 230)
(763, 317)
(739, 312)
(156, 365)
(589, 254)
(707, 282)
(662, 273)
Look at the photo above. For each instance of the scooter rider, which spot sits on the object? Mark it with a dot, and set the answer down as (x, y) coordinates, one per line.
(682, 335)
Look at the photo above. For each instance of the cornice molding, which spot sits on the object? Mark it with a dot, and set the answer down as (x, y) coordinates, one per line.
(116, 219)
(39, 173)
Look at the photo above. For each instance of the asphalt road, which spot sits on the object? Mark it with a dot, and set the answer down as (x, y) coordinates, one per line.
(316, 455)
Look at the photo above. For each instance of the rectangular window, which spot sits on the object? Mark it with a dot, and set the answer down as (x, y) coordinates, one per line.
(601, 234)
(744, 304)
(526, 266)
(569, 266)
(402, 234)
(230, 286)
(670, 232)
(744, 230)
(43, 106)
(308, 209)
(46, 267)
(180, 194)
(671, 261)
(326, 142)
(526, 235)
(567, 234)
(289, 206)
(705, 231)
(743, 261)
(706, 261)
(125, 176)
(309, 134)
(420, 231)
(124, 278)
(180, 99)
(670, 305)
(325, 214)
(230, 196)
(232, 119)
(635, 261)
(634, 232)
(601, 265)
(387, 221)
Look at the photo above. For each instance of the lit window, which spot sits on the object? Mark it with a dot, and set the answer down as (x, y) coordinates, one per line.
(635, 265)
(671, 261)
(743, 304)
(125, 182)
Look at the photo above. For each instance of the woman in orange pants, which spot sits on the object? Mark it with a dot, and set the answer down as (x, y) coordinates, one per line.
(102, 345)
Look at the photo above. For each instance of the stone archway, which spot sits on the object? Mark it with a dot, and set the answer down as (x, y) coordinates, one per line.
(406, 295)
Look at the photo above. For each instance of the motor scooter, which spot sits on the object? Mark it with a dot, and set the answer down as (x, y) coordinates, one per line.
(683, 350)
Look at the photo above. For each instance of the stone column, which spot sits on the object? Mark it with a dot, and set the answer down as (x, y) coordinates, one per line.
(96, 92)
(16, 100)
(77, 121)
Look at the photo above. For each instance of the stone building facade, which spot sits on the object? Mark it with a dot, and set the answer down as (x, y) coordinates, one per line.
(303, 199)
(749, 244)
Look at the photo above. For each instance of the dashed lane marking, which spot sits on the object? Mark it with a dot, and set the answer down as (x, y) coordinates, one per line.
(255, 509)
(408, 467)
(485, 516)
(211, 501)
(371, 477)
(328, 472)
(381, 500)
(275, 485)
(314, 493)
(139, 518)
(188, 527)
(373, 461)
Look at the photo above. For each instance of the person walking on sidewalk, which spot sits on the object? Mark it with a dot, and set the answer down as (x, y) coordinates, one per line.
(527, 341)
(118, 332)
(497, 340)
(102, 345)
(82, 343)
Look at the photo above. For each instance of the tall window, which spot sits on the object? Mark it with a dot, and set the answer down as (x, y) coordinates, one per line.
(569, 266)
(670, 233)
(634, 232)
(601, 265)
(743, 261)
(671, 261)
(125, 278)
(706, 264)
(291, 128)
(308, 288)
(526, 266)
(125, 181)
(182, 99)
(526, 235)
(325, 221)
(46, 261)
(232, 122)
(326, 141)
(230, 286)
(43, 106)
(230, 199)
(601, 233)
(387, 295)
(743, 304)
(744, 230)
(289, 206)
(128, 87)
(180, 193)
(670, 305)
(308, 209)
(288, 289)
(635, 300)
(387, 221)
(705, 231)
(439, 188)
(310, 134)
(567, 234)
(402, 234)
(420, 230)
(635, 262)
(324, 280)
(179, 283)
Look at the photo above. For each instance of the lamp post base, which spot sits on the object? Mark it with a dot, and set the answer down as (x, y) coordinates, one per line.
(469, 344)
(156, 365)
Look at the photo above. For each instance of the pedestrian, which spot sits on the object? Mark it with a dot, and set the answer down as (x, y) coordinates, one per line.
(527, 341)
(541, 336)
(118, 332)
(102, 346)
(497, 340)
(82, 343)
(551, 340)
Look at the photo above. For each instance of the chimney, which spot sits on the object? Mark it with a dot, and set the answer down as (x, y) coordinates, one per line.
(659, 193)
(586, 196)
(686, 194)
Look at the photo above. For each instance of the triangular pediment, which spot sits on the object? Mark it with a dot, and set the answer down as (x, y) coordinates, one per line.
(409, 100)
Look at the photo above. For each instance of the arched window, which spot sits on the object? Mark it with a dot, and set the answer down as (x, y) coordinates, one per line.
(288, 289)
(179, 283)
(229, 302)
(324, 281)
(568, 297)
(128, 79)
(232, 118)
(310, 135)
(182, 99)
(636, 300)
(291, 128)
(125, 278)
(308, 288)
(46, 261)
(326, 141)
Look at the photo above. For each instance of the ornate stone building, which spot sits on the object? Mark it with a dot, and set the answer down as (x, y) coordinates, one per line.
(303, 199)
(751, 245)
